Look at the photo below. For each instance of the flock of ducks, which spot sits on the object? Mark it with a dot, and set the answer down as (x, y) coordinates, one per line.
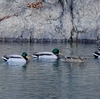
(55, 54)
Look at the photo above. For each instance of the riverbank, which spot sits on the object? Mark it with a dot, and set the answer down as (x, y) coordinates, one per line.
(50, 21)
(47, 40)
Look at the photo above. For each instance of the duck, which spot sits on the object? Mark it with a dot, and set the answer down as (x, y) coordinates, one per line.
(47, 55)
(15, 59)
(74, 59)
(97, 53)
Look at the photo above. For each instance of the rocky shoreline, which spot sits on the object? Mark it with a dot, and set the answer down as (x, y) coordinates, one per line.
(46, 40)
(49, 21)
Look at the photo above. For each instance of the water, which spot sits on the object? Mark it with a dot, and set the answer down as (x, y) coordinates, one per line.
(50, 79)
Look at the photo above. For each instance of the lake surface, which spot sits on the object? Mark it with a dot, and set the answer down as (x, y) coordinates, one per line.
(50, 79)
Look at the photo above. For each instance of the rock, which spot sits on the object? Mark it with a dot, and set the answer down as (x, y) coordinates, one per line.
(51, 1)
(54, 20)
(86, 14)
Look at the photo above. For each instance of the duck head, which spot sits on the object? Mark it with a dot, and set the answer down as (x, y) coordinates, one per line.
(25, 56)
(55, 51)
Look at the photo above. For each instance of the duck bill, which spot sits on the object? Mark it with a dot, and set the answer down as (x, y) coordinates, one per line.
(27, 57)
(60, 53)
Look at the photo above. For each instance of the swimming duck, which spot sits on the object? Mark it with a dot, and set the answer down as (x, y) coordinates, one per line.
(16, 59)
(97, 53)
(74, 59)
(47, 55)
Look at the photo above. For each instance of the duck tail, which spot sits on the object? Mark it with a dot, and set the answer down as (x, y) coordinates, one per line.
(35, 56)
(96, 54)
(4, 58)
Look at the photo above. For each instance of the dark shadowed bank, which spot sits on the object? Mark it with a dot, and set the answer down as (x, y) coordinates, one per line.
(44, 40)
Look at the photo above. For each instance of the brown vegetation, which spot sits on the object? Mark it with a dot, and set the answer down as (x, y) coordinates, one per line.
(34, 5)
(6, 17)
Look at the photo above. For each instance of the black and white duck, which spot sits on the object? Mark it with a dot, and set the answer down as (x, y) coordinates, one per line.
(47, 55)
(97, 53)
(15, 59)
